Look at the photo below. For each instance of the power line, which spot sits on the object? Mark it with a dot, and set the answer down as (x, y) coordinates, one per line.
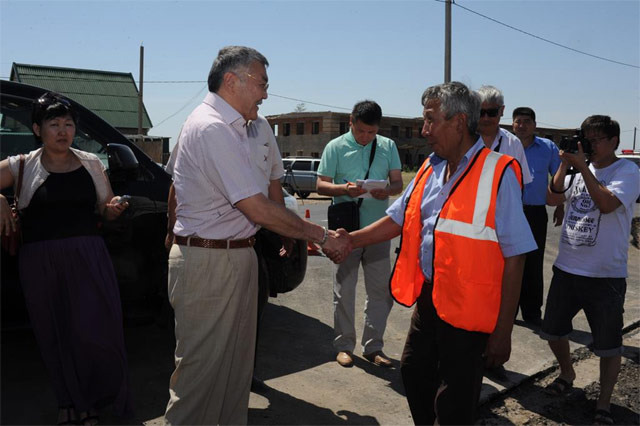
(541, 38)
(183, 106)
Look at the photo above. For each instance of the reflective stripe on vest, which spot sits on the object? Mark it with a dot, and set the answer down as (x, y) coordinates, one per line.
(468, 262)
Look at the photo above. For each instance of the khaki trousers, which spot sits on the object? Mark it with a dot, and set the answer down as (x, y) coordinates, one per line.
(214, 295)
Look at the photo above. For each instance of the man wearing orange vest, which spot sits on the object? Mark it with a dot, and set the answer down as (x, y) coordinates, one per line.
(464, 236)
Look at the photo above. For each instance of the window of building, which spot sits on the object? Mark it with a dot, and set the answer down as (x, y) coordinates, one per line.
(315, 154)
(394, 131)
(286, 131)
(315, 127)
(408, 132)
(300, 128)
(344, 127)
(286, 154)
(299, 153)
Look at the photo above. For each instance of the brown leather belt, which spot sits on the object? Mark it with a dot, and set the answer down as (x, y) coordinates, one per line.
(215, 244)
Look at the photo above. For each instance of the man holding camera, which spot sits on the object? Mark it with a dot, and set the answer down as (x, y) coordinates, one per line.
(359, 153)
(591, 267)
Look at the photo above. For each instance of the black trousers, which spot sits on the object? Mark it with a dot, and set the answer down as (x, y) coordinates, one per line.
(532, 277)
(441, 367)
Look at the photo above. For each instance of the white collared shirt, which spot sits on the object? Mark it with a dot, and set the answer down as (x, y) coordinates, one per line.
(212, 172)
(511, 145)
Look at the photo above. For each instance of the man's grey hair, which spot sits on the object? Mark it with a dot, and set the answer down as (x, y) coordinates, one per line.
(232, 58)
(491, 95)
(455, 98)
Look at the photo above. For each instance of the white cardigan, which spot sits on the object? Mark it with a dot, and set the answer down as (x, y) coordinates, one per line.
(35, 174)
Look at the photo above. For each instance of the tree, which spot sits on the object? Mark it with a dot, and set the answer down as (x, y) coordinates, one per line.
(301, 107)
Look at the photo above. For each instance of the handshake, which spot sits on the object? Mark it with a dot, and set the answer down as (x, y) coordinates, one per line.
(338, 245)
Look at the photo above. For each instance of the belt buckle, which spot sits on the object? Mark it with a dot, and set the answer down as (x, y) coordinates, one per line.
(252, 241)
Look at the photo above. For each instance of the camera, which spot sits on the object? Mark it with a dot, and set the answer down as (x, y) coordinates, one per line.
(570, 144)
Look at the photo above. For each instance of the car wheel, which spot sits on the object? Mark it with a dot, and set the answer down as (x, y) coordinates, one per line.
(303, 194)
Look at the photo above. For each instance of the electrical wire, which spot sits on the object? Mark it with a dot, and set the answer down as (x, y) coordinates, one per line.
(541, 38)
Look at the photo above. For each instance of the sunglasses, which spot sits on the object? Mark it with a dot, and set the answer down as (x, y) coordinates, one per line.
(50, 98)
(490, 112)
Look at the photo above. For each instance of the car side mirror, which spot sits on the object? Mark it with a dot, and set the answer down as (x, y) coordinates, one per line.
(121, 158)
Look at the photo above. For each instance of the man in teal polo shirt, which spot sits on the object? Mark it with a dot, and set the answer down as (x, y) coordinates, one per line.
(344, 161)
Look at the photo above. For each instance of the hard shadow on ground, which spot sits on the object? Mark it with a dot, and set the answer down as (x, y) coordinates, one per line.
(291, 342)
(302, 412)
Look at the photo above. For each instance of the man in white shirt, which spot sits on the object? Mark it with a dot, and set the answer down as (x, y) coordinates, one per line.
(493, 136)
(213, 270)
(591, 267)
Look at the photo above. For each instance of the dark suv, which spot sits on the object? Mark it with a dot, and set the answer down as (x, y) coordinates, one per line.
(136, 240)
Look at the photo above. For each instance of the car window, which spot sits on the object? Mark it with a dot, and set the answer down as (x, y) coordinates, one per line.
(302, 165)
(17, 137)
(316, 164)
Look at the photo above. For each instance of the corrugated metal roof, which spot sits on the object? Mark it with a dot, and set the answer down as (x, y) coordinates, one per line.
(111, 95)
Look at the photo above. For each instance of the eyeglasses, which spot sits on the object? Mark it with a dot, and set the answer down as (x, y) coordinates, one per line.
(265, 86)
(597, 139)
(490, 112)
(51, 98)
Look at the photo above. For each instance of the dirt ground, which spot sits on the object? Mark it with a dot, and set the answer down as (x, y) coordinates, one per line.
(528, 404)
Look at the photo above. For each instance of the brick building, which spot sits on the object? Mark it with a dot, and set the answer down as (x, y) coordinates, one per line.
(307, 133)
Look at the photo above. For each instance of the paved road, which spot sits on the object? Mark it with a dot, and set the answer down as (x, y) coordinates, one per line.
(295, 358)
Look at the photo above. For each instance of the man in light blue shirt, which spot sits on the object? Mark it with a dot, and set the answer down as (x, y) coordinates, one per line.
(345, 160)
(543, 160)
(442, 364)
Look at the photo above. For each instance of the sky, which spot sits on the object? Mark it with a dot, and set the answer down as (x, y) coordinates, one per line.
(331, 54)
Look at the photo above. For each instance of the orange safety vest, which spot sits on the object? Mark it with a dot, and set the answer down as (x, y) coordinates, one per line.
(467, 260)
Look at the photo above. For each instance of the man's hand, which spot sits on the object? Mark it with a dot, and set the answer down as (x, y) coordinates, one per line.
(338, 245)
(498, 348)
(558, 215)
(381, 193)
(577, 160)
(287, 246)
(353, 190)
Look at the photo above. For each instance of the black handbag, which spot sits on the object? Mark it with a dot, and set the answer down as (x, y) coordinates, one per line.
(347, 214)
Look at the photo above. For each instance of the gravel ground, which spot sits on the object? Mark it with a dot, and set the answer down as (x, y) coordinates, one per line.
(527, 404)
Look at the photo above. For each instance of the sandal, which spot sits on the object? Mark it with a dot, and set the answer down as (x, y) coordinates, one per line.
(602, 417)
(67, 416)
(558, 387)
(89, 418)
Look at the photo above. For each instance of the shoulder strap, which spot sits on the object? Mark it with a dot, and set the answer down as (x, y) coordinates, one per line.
(20, 173)
(371, 156)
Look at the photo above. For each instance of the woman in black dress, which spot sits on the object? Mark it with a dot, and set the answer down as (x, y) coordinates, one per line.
(66, 273)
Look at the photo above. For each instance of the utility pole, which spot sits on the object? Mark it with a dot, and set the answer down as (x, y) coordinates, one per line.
(140, 104)
(635, 129)
(447, 42)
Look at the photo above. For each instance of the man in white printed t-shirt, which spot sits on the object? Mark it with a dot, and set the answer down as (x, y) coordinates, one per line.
(591, 267)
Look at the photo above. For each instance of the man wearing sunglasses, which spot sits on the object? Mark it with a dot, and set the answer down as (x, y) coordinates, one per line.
(590, 270)
(494, 137)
